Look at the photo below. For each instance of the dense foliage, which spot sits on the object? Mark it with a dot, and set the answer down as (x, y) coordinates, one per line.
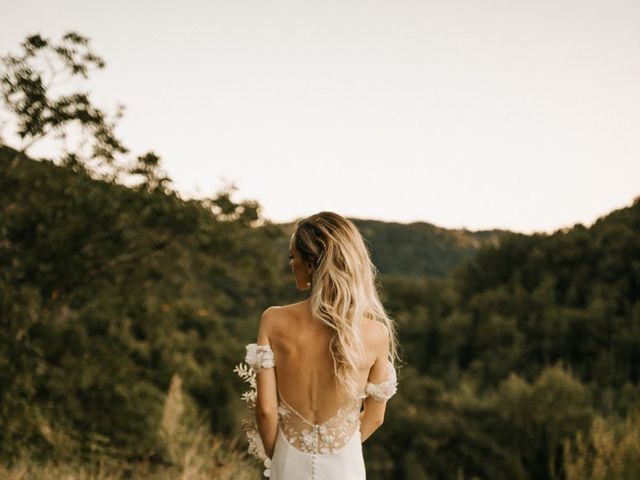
(520, 349)
(107, 292)
(123, 310)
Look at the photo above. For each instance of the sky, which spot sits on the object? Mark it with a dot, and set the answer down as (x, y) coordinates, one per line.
(519, 115)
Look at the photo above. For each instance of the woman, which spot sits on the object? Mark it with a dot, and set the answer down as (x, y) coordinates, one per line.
(320, 360)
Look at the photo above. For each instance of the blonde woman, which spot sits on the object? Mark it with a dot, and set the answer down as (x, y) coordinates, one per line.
(321, 360)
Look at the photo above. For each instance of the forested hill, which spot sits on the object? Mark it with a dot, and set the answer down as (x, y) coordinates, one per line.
(512, 344)
(106, 292)
(416, 249)
(421, 249)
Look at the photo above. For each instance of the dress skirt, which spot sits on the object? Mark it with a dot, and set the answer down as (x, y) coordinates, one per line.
(290, 463)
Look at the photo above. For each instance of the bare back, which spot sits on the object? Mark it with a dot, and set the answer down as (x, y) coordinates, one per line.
(305, 374)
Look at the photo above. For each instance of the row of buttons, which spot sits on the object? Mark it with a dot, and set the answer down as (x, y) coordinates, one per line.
(313, 455)
(313, 466)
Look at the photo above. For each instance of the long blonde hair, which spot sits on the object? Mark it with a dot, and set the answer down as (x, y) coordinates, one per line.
(343, 290)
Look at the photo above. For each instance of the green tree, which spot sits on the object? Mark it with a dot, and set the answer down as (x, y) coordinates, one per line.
(30, 87)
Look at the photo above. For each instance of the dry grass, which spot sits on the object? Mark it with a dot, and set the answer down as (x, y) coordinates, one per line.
(27, 471)
(193, 454)
(607, 454)
(53, 471)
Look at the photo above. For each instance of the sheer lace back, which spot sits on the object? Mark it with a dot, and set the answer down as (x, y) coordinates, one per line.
(325, 437)
(332, 434)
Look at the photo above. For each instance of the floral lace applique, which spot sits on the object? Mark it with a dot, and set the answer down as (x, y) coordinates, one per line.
(259, 357)
(385, 390)
(326, 437)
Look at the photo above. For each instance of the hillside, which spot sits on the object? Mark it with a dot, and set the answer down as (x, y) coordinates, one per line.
(111, 296)
(419, 249)
(106, 292)
(422, 249)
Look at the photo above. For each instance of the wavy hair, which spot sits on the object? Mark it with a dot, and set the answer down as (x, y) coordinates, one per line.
(343, 290)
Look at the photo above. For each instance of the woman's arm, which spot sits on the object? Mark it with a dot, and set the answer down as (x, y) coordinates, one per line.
(371, 417)
(373, 414)
(267, 398)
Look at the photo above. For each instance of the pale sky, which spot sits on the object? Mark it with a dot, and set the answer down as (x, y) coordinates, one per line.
(522, 115)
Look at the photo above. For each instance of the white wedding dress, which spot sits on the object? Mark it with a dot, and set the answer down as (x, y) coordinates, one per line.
(330, 450)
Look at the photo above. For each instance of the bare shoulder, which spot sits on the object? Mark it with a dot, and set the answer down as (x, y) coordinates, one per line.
(294, 310)
(281, 311)
(269, 318)
(375, 333)
(296, 306)
(275, 320)
(272, 312)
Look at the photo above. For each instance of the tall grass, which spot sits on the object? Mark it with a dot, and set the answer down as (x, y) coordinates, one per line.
(189, 449)
(607, 453)
(190, 446)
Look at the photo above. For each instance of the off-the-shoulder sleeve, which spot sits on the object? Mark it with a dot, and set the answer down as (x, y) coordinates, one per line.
(385, 390)
(259, 357)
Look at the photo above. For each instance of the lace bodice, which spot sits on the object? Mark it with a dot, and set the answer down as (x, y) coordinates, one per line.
(326, 437)
(332, 434)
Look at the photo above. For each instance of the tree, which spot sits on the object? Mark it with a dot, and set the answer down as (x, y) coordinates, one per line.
(30, 85)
